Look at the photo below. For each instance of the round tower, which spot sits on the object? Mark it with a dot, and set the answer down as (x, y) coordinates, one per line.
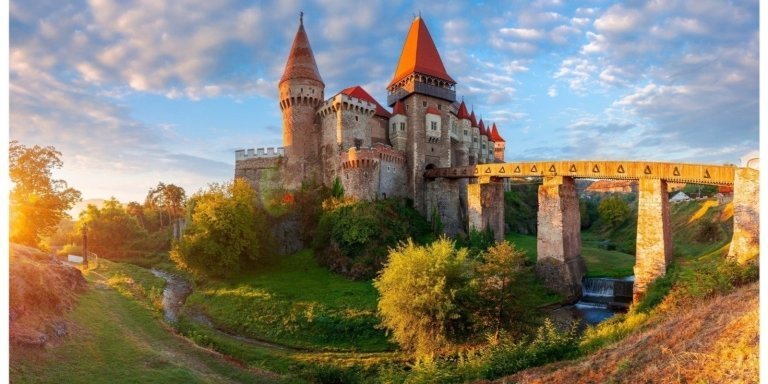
(301, 93)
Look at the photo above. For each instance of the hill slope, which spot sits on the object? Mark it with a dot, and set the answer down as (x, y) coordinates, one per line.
(714, 340)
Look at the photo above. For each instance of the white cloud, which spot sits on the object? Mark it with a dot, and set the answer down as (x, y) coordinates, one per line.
(552, 91)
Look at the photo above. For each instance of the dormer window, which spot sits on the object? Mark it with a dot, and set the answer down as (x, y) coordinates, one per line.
(433, 125)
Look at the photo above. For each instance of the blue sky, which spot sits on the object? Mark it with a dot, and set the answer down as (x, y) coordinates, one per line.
(137, 92)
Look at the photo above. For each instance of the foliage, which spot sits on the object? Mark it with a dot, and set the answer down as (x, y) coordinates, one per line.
(111, 231)
(337, 191)
(295, 302)
(37, 201)
(497, 275)
(424, 295)
(613, 211)
(699, 190)
(168, 200)
(225, 232)
(476, 241)
(521, 204)
(437, 222)
(547, 345)
(352, 237)
(708, 231)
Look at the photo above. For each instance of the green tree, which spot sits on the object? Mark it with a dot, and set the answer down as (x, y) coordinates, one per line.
(497, 274)
(424, 295)
(225, 232)
(112, 232)
(613, 211)
(37, 201)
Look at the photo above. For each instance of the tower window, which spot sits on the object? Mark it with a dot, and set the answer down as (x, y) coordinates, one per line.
(440, 107)
(465, 132)
(423, 103)
(433, 125)
(356, 118)
(393, 127)
(402, 126)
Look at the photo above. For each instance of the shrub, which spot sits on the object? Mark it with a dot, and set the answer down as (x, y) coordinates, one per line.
(613, 211)
(424, 293)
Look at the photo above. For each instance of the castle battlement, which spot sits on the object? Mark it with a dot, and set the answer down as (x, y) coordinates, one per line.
(342, 101)
(256, 153)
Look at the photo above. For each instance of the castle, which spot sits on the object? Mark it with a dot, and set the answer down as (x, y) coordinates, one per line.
(374, 152)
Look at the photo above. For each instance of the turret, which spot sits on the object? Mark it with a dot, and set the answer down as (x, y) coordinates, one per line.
(483, 142)
(498, 145)
(398, 127)
(301, 92)
(474, 148)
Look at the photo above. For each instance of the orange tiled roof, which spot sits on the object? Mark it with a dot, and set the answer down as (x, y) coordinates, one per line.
(419, 55)
(462, 114)
(433, 111)
(399, 108)
(301, 61)
(360, 93)
(495, 135)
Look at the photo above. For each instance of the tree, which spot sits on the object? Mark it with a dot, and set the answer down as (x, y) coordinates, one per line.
(424, 295)
(497, 273)
(225, 232)
(37, 202)
(112, 232)
(613, 211)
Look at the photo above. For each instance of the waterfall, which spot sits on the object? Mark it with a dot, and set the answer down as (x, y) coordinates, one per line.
(597, 287)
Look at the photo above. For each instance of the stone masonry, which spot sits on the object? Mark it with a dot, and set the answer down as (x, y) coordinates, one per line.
(559, 263)
(654, 234)
(745, 246)
(485, 207)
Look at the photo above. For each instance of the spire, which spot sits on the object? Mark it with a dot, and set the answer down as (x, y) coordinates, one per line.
(399, 109)
(481, 125)
(420, 55)
(472, 119)
(462, 114)
(495, 134)
(301, 61)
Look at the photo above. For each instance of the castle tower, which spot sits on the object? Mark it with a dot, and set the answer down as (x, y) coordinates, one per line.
(464, 134)
(483, 142)
(474, 148)
(301, 92)
(425, 89)
(398, 126)
(499, 145)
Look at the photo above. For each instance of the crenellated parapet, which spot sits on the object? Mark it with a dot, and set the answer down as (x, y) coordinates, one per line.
(256, 153)
(347, 103)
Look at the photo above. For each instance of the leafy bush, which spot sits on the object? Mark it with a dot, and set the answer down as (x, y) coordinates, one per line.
(225, 231)
(613, 211)
(424, 294)
(546, 346)
(353, 237)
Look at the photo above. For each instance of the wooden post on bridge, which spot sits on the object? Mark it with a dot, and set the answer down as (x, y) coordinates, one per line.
(558, 242)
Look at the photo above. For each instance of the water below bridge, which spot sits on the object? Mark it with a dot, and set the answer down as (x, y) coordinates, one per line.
(601, 299)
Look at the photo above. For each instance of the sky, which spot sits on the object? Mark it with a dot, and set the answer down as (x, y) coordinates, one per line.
(137, 92)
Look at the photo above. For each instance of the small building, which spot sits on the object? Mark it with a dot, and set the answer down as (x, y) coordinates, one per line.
(678, 197)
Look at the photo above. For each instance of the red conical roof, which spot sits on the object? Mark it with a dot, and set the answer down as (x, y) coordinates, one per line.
(399, 108)
(462, 114)
(481, 125)
(360, 93)
(301, 61)
(495, 135)
(420, 55)
(472, 119)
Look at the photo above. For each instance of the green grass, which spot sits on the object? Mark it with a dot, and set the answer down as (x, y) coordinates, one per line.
(295, 303)
(600, 262)
(115, 339)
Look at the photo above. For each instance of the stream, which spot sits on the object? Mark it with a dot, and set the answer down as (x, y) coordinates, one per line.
(174, 294)
(601, 299)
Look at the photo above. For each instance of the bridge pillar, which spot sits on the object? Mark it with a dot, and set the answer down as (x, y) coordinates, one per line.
(654, 234)
(443, 200)
(559, 263)
(485, 207)
(745, 245)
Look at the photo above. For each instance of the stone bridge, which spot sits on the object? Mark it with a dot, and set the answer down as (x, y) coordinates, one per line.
(559, 261)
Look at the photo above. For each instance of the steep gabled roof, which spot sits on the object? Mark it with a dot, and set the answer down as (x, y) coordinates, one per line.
(472, 119)
(360, 93)
(420, 55)
(495, 134)
(301, 61)
(462, 114)
(399, 109)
